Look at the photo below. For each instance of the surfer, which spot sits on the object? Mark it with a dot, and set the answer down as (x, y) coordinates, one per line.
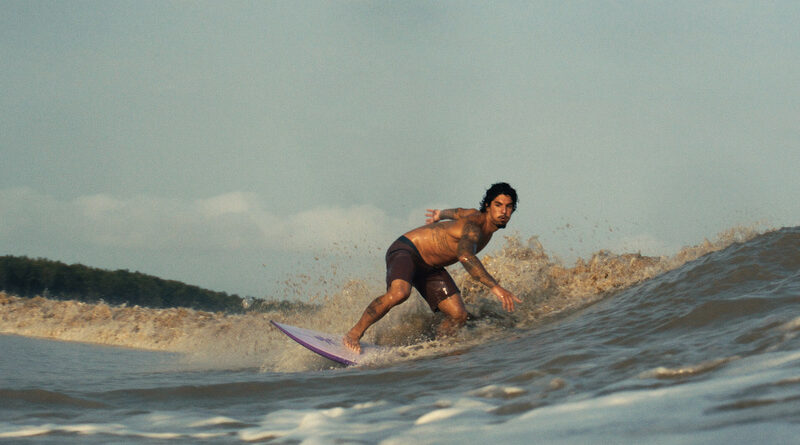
(418, 259)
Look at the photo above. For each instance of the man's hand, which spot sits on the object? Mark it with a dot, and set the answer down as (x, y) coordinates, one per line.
(433, 215)
(506, 297)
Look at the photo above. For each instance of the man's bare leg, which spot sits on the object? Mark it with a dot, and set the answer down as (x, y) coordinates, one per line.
(398, 292)
(453, 306)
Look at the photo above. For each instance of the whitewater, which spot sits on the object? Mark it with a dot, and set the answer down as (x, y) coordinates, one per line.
(697, 347)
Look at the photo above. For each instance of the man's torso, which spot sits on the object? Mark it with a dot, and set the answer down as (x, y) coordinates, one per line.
(438, 242)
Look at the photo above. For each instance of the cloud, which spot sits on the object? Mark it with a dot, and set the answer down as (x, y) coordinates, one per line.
(229, 203)
(231, 221)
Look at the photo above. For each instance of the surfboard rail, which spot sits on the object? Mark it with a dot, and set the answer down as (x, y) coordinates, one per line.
(327, 345)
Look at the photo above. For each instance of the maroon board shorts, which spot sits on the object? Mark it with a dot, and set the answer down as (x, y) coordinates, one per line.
(404, 262)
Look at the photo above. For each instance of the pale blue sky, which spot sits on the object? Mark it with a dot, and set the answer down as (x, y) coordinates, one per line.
(227, 144)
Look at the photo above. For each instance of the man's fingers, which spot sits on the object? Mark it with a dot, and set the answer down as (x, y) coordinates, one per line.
(432, 215)
(507, 299)
(508, 302)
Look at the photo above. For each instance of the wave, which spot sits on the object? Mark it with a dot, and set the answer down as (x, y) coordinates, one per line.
(549, 289)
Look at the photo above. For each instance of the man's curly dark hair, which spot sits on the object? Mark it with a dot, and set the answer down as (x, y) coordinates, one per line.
(501, 188)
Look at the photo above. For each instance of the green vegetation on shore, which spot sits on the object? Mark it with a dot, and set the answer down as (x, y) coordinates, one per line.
(28, 277)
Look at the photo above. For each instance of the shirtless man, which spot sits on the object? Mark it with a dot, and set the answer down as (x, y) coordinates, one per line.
(419, 257)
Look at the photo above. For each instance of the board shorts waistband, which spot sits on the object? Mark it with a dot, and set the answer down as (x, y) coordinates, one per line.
(403, 239)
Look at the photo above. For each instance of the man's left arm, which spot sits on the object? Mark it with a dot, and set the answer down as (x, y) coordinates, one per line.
(467, 248)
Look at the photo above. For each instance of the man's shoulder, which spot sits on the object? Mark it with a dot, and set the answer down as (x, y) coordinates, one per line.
(471, 220)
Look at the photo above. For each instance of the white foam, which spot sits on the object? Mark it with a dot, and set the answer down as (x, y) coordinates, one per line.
(319, 426)
(160, 426)
(26, 431)
(658, 415)
(369, 405)
(791, 325)
(40, 430)
(498, 392)
(463, 408)
(437, 415)
(219, 420)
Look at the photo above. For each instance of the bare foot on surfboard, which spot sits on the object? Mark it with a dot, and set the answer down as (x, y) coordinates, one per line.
(351, 342)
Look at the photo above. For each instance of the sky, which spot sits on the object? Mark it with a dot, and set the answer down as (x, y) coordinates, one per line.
(241, 145)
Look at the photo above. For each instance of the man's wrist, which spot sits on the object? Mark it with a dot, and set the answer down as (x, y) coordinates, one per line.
(447, 214)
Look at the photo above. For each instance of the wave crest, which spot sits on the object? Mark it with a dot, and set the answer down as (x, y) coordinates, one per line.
(547, 287)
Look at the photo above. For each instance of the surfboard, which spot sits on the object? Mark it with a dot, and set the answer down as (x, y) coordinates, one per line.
(327, 345)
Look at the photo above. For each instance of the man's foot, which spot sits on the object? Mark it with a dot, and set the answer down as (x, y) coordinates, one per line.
(351, 342)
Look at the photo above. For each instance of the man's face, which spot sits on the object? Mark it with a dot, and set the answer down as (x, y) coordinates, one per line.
(500, 210)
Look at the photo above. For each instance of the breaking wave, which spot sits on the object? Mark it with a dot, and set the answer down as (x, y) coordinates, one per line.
(549, 289)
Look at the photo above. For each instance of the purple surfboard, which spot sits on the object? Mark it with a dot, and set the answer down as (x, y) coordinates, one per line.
(327, 345)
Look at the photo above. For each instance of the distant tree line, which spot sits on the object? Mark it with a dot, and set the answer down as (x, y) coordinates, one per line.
(28, 277)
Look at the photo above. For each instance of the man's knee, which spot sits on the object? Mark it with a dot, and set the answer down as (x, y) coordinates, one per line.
(381, 305)
(455, 310)
(399, 291)
(397, 296)
(459, 317)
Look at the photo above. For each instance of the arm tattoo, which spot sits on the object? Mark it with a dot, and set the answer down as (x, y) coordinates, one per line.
(448, 214)
(474, 267)
(456, 213)
(466, 255)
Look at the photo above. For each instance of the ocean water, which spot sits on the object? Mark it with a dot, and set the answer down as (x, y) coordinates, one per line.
(699, 347)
